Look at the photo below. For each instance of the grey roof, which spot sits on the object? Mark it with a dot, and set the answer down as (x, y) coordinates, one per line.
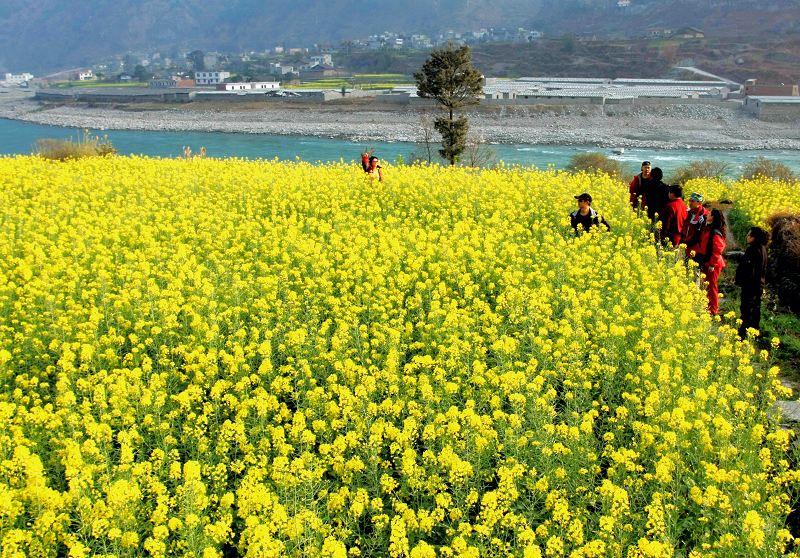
(776, 99)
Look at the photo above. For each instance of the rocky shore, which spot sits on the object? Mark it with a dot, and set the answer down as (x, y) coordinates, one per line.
(665, 127)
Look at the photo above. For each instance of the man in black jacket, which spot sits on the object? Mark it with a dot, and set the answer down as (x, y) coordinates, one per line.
(750, 277)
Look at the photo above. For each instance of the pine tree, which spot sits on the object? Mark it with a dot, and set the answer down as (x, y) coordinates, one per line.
(449, 77)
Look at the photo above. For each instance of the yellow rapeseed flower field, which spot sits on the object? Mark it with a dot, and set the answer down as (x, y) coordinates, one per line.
(213, 358)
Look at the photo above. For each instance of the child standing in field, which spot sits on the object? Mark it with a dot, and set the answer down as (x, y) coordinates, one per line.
(712, 245)
(750, 277)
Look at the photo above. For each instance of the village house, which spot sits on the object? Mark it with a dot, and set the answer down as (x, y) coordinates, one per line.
(85, 75)
(319, 72)
(421, 41)
(278, 69)
(689, 33)
(163, 82)
(753, 88)
(321, 60)
(774, 108)
(233, 87)
(18, 79)
(249, 86)
(210, 77)
(659, 32)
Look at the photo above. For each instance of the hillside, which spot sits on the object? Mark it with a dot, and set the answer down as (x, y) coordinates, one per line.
(717, 18)
(71, 33)
(57, 34)
(776, 60)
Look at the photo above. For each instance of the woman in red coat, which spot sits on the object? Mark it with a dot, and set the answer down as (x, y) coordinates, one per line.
(712, 245)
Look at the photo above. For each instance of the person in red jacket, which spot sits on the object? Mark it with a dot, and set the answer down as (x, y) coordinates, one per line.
(694, 223)
(675, 213)
(712, 245)
(639, 185)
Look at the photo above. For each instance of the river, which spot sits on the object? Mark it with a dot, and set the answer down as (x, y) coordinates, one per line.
(18, 137)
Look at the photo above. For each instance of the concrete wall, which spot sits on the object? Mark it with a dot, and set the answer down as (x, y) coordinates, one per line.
(665, 102)
(779, 113)
(83, 96)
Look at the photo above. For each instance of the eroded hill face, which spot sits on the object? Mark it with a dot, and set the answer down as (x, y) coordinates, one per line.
(57, 34)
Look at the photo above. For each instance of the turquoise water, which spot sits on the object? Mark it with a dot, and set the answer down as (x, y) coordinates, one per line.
(19, 137)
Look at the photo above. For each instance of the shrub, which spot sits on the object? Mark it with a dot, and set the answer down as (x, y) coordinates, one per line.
(784, 261)
(592, 162)
(86, 146)
(766, 168)
(703, 168)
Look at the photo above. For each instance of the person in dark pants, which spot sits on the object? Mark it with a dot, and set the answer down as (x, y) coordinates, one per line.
(750, 277)
(656, 194)
(586, 217)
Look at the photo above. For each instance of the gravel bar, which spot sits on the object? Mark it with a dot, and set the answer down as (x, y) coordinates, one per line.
(664, 127)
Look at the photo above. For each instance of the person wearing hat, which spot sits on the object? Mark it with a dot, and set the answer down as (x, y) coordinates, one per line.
(639, 186)
(693, 225)
(585, 216)
(674, 216)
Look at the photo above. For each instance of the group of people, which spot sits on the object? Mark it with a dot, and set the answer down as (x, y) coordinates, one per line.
(187, 152)
(703, 232)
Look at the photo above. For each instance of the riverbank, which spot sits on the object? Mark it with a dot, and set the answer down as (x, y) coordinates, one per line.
(665, 127)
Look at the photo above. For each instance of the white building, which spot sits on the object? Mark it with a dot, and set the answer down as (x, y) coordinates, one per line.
(421, 41)
(18, 79)
(278, 69)
(233, 87)
(321, 60)
(210, 78)
(85, 75)
(248, 86)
